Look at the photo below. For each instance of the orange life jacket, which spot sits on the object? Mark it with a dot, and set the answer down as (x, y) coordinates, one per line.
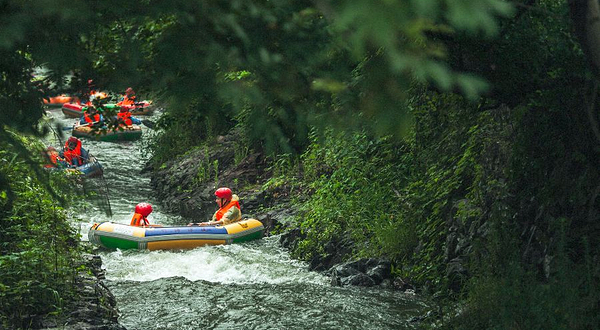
(224, 209)
(125, 117)
(74, 154)
(139, 220)
(127, 100)
(88, 119)
(53, 156)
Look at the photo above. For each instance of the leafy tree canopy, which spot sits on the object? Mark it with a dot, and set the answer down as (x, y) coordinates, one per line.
(340, 63)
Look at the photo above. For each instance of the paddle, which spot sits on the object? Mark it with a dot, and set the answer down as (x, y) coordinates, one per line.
(75, 125)
(93, 159)
(106, 194)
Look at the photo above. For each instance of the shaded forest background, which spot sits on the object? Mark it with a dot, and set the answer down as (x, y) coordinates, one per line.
(457, 138)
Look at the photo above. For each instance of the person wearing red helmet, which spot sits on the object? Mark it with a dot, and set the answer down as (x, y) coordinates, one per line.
(229, 209)
(140, 217)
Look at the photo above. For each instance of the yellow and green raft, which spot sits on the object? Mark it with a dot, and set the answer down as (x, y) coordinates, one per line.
(120, 236)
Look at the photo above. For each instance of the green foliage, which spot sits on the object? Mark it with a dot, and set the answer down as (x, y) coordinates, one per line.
(505, 294)
(342, 84)
(354, 179)
(215, 168)
(289, 64)
(543, 33)
(204, 168)
(38, 247)
(284, 169)
(182, 129)
(442, 165)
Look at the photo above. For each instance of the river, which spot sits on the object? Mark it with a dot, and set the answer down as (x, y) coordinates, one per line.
(254, 285)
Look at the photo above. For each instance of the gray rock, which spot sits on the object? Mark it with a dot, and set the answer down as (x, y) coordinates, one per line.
(380, 273)
(359, 279)
(94, 310)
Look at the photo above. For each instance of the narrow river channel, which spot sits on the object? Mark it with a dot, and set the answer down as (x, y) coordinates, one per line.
(254, 285)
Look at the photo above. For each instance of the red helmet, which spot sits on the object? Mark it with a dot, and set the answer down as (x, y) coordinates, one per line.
(224, 193)
(144, 209)
(129, 90)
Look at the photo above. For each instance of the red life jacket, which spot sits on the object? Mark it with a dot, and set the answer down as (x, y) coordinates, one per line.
(125, 117)
(139, 220)
(89, 120)
(224, 209)
(74, 155)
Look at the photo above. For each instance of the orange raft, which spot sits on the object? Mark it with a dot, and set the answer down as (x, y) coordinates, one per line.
(120, 236)
(58, 101)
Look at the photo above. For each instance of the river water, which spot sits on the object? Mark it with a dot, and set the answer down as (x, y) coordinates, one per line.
(254, 285)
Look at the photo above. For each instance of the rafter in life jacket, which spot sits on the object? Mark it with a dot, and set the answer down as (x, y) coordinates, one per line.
(52, 157)
(73, 156)
(139, 220)
(91, 119)
(128, 97)
(125, 117)
(221, 212)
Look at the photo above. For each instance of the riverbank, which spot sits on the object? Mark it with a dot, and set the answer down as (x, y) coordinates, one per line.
(186, 186)
(46, 278)
(94, 307)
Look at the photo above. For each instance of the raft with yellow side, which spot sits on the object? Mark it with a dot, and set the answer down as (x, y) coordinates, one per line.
(121, 236)
(121, 133)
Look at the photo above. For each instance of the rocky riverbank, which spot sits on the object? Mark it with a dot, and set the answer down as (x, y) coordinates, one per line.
(186, 186)
(94, 309)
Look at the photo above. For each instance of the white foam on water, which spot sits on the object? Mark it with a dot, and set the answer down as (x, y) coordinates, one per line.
(256, 262)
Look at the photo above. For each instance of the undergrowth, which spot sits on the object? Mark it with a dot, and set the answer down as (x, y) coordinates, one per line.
(38, 248)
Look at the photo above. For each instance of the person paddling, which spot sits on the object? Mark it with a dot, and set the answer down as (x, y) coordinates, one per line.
(124, 117)
(140, 217)
(229, 209)
(128, 98)
(91, 117)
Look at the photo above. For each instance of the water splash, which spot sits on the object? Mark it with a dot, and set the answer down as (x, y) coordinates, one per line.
(253, 262)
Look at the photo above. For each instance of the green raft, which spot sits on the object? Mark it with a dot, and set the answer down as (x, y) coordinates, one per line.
(123, 133)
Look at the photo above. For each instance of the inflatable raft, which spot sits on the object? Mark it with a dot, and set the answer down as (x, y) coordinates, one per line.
(140, 109)
(123, 133)
(90, 170)
(58, 101)
(72, 110)
(120, 236)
